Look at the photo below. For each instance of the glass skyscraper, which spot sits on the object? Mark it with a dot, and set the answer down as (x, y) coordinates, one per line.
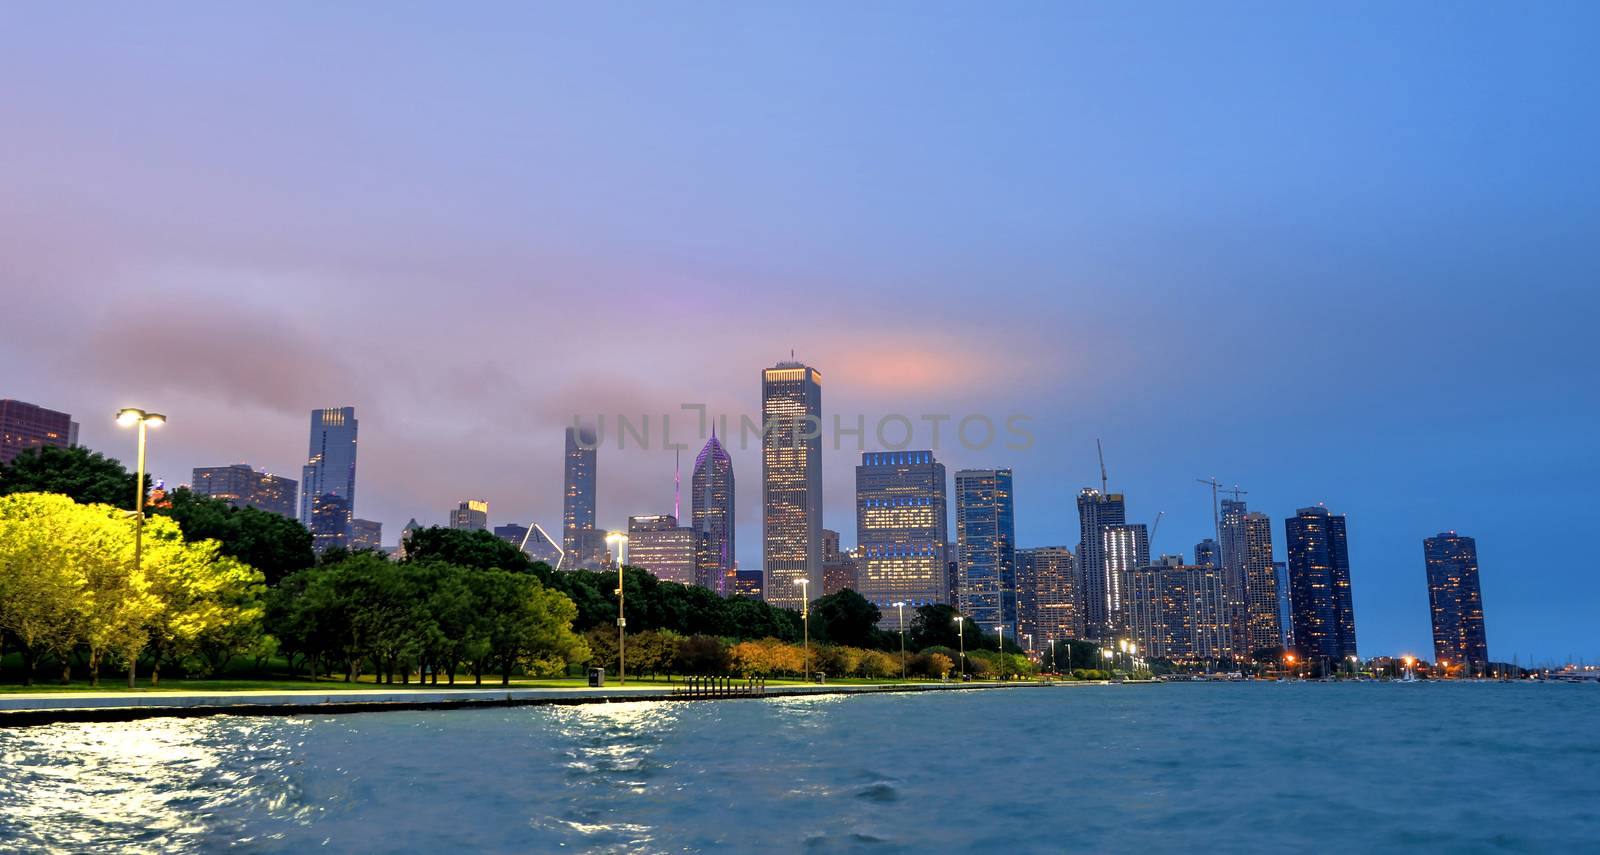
(1319, 587)
(791, 481)
(1454, 599)
(901, 528)
(1126, 548)
(986, 548)
(711, 505)
(581, 545)
(1096, 512)
(328, 480)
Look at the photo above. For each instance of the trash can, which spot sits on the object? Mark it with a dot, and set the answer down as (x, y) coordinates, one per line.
(597, 677)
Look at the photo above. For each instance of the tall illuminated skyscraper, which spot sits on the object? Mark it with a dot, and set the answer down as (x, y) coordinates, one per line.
(328, 480)
(1454, 599)
(986, 542)
(1263, 620)
(581, 546)
(1231, 529)
(1098, 511)
(901, 529)
(711, 504)
(1127, 548)
(1319, 587)
(791, 480)
(658, 544)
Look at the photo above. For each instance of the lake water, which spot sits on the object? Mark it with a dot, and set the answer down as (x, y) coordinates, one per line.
(1138, 769)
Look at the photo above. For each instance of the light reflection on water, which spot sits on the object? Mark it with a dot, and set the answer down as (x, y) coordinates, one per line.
(1109, 769)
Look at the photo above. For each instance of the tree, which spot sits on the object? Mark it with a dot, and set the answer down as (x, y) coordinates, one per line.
(273, 544)
(210, 602)
(846, 618)
(935, 625)
(41, 577)
(702, 655)
(476, 550)
(84, 476)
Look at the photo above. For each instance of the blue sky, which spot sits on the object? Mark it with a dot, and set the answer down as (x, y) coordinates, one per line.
(1339, 254)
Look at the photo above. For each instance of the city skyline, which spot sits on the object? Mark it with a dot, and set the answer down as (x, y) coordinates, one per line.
(1210, 264)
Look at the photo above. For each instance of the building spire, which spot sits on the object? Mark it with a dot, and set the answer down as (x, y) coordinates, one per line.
(677, 480)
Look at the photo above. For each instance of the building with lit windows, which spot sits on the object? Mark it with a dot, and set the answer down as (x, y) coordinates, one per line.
(791, 481)
(1319, 586)
(1126, 548)
(328, 480)
(902, 524)
(1454, 599)
(1207, 553)
(582, 547)
(1179, 611)
(24, 426)
(470, 515)
(838, 566)
(1047, 594)
(1101, 588)
(243, 487)
(1263, 616)
(986, 548)
(366, 534)
(658, 544)
(511, 533)
(711, 516)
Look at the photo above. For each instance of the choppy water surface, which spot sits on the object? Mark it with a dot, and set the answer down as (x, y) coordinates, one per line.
(1317, 767)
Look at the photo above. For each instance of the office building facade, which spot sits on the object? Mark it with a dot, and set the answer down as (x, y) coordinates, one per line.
(658, 544)
(243, 487)
(582, 547)
(712, 517)
(902, 523)
(986, 548)
(25, 426)
(791, 477)
(1098, 511)
(1047, 595)
(328, 480)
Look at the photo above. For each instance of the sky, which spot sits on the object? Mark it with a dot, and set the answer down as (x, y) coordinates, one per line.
(1342, 254)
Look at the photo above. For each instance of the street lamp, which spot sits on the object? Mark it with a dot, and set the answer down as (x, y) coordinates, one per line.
(130, 417)
(1000, 633)
(901, 608)
(805, 622)
(961, 639)
(621, 540)
(1107, 654)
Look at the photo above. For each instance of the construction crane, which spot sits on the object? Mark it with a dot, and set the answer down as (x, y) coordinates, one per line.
(1216, 519)
(1235, 491)
(1104, 489)
(1155, 527)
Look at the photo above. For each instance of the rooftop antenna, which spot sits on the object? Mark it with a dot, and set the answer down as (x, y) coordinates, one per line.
(1104, 490)
(677, 480)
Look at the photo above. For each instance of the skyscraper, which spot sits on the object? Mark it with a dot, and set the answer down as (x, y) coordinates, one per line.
(366, 534)
(1127, 548)
(243, 487)
(1207, 553)
(540, 546)
(658, 544)
(470, 515)
(1231, 530)
(511, 533)
(791, 476)
(1319, 586)
(1263, 622)
(1096, 512)
(1179, 611)
(581, 545)
(901, 529)
(328, 480)
(24, 426)
(986, 544)
(1454, 599)
(711, 508)
(1047, 588)
(1280, 569)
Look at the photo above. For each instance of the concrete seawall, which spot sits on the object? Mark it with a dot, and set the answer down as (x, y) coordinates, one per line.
(43, 708)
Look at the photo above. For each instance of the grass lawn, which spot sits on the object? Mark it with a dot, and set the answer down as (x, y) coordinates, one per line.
(111, 682)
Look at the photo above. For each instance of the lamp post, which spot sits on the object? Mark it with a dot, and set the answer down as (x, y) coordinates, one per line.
(1052, 648)
(901, 608)
(805, 622)
(1000, 633)
(621, 540)
(961, 639)
(130, 417)
(1107, 654)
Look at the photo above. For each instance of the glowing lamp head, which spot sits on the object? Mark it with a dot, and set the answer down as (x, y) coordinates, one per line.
(130, 416)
